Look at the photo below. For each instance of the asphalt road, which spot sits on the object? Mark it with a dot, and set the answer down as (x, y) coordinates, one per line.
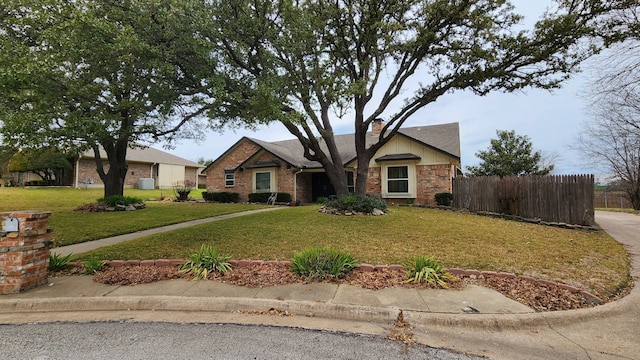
(129, 340)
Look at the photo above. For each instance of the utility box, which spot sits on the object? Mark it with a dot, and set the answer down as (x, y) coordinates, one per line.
(146, 184)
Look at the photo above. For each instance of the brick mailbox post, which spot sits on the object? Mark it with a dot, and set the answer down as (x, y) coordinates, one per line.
(24, 250)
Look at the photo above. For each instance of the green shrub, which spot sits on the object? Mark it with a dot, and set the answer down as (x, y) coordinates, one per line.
(221, 197)
(58, 262)
(322, 200)
(114, 200)
(281, 197)
(322, 263)
(206, 260)
(357, 203)
(444, 199)
(93, 265)
(427, 269)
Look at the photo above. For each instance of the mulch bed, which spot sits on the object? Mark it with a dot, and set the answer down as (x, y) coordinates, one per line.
(536, 295)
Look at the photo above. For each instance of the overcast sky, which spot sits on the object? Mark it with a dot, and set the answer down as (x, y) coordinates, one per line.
(551, 119)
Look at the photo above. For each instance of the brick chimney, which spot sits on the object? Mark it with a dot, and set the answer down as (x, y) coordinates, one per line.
(376, 126)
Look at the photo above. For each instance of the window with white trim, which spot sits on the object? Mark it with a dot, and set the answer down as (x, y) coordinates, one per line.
(229, 178)
(398, 179)
(262, 181)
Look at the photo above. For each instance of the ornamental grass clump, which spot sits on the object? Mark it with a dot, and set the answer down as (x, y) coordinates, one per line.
(322, 263)
(58, 262)
(423, 269)
(93, 265)
(205, 261)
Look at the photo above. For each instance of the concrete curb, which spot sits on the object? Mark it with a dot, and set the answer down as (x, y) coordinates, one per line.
(385, 315)
(195, 304)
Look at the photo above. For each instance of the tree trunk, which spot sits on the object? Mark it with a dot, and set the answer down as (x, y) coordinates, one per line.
(362, 174)
(338, 179)
(113, 179)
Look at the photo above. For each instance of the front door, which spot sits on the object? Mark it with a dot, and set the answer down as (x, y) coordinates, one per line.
(321, 186)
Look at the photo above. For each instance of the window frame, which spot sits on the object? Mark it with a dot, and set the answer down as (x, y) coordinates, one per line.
(351, 183)
(272, 181)
(410, 180)
(229, 176)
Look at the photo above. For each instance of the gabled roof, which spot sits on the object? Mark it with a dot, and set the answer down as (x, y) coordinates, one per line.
(148, 155)
(444, 138)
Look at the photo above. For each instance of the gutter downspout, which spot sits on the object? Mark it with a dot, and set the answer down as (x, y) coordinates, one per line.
(77, 186)
(295, 185)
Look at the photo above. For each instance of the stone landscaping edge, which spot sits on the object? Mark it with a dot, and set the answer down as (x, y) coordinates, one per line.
(473, 274)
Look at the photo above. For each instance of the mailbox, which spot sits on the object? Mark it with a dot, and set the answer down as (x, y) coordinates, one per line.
(11, 224)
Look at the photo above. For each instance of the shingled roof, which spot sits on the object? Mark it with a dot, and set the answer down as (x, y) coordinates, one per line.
(443, 138)
(148, 155)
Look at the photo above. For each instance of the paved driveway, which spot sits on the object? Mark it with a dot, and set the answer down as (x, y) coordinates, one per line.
(625, 228)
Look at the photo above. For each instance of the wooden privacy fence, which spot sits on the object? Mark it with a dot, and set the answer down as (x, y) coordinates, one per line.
(559, 198)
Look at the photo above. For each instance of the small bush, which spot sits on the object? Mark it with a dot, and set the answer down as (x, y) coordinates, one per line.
(444, 199)
(206, 260)
(93, 265)
(427, 269)
(320, 264)
(114, 200)
(221, 197)
(357, 203)
(322, 200)
(264, 197)
(58, 262)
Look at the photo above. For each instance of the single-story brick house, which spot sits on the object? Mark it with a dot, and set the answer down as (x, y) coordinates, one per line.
(146, 163)
(416, 163)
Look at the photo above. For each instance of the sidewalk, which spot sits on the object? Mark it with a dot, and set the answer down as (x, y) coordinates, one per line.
(502, 329)
(91, 245)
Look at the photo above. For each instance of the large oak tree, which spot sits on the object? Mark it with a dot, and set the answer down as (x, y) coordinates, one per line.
(306, 63)
(91, 74)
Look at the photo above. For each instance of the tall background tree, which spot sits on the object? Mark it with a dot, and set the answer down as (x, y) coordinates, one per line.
(92, 74)
(610, 138)
(308, 63)
(509, 155)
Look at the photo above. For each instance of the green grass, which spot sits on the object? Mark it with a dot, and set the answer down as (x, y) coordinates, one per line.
(590, 260)
(70, 227)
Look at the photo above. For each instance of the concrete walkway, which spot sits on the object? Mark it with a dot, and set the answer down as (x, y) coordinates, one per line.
(92, 245)
(503, 329)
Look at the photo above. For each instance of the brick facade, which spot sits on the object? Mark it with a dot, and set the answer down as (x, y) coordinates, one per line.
(433, 179)
(24, 254)
(231, 161)
(430, 179)
(243, 177)
(88, 175)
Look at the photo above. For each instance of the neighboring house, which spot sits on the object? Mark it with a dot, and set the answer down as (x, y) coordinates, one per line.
(414, 165)
(145, 163)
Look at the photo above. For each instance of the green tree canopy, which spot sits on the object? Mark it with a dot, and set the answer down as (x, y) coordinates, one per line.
(307, 63)
(48, 163)
(91, 74)
(509, 155)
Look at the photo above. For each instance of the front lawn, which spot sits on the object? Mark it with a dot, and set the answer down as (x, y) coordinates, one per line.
(70, 227)
(589, 260)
